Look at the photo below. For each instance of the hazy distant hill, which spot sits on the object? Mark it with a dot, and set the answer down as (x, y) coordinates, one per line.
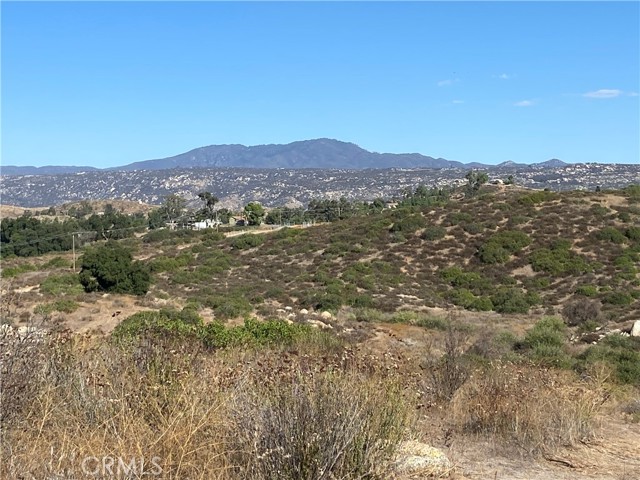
(322, 153)
(46, 170)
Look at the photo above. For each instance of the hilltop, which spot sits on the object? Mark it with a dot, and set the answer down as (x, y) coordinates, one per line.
(321, 153)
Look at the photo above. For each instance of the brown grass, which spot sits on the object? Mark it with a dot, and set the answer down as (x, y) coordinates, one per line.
(193, 414)
(532, 409)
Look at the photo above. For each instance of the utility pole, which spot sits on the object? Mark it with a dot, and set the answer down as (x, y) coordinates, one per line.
(73, 247)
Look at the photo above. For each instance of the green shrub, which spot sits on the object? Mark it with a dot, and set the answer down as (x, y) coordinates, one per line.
(492, 252)
(433, 233)
(253, 333)
(536, 198)
(166, 321)
(457, 277)
(512, 300)
(473, 228)
(409, 224)
(622, 353)
(587, 290)
(459, 217)
(500, 246)
(171, 264)
(65, 284)
(618, 298)
(558, 261)
(110, 267)
(15, 271)
(633, 233)
(246, 241)
(546, 343)
(228, 306)
(611, 234)
(57, 262)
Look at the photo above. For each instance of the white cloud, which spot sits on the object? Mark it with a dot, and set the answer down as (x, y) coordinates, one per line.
(458, 101)
(524, 103)
(604, 93)
(504, 76)
(448, 82)
(633, 94)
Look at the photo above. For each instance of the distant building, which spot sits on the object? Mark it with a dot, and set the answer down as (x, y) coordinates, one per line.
(208, 223)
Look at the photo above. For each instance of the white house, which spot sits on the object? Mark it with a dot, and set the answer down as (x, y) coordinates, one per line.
(208, 223)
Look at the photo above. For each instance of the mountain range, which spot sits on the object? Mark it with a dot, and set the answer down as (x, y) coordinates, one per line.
(322, 153)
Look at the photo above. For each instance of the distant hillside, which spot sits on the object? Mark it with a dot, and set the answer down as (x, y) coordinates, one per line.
(323, 153)
(320, 153)
(11, 170)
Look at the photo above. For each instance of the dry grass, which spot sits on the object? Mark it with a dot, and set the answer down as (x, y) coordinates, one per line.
(532, 409)
(192, 414)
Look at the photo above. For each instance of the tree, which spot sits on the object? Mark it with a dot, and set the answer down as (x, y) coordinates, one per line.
(173, 207)
(110, 268)
(475, 180)
(209, 200)
(254, 213)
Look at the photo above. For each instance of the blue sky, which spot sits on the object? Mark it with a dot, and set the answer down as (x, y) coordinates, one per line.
(105, 84)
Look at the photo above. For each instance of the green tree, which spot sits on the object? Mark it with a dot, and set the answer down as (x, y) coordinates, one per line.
(254, 213)
(475, 180)
(173, 207)
(209, 200)
(110, 268)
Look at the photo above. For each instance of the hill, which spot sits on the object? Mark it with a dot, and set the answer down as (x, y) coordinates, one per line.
(492, 327)
(322, 153)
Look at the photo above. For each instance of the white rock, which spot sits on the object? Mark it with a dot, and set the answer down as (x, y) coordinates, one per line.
(288, 308)
(304, 311)
(635, 330)
(419, 458)
(325, 314)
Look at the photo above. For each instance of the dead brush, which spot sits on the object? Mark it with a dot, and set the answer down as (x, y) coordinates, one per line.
(534, 409)
(320, 426)
(131, 403)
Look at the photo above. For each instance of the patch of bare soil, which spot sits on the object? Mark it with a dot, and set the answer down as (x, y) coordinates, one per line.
(613, 455)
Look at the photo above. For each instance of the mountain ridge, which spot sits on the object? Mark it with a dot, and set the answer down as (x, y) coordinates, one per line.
(320, 153)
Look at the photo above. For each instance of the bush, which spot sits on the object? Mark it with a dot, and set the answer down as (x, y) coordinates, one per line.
(433, 233)
(536, 410)
(320, 426)
(633, 233)
(512, 300)
(15, 271)
(579, 312)
(618, 298)
(587, 290)
(165, 321)
(546, 343)
(57, 262)
(611, 234)
(536, 198)
(111, 268)
(409, 224)
(621, 353)
(502, 245)
(558, 260)
(66, 284)
(246, 241)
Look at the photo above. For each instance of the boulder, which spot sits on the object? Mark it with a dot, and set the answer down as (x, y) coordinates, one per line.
(304, 311)
(416, 458)
(325, 314)
(635, 330)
